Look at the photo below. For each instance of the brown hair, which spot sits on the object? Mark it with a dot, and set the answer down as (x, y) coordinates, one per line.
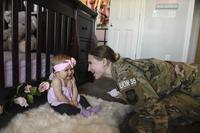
(59, 58)
(104, 51)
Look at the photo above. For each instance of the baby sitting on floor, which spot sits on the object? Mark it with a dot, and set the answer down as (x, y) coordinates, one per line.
(63, 95)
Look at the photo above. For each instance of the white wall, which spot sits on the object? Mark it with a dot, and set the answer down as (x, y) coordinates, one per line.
(166, 31)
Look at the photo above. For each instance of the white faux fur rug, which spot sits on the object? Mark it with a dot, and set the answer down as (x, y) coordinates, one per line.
(45, 120)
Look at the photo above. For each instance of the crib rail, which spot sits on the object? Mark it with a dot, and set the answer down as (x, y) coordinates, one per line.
(15, 61)
(28, 41)
(2, 79)
(53, 34)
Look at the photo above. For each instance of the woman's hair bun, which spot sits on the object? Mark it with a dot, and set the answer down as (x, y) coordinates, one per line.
(117, 56)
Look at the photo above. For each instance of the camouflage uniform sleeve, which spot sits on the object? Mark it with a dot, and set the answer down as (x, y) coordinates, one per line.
(136, 90)
(152, 107)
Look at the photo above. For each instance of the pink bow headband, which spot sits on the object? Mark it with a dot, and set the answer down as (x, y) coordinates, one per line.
(70, 62)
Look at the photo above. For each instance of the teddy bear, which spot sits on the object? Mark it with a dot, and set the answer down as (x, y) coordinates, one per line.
(21, 31)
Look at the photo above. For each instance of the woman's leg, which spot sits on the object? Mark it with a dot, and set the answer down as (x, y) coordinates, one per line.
(195, 87)
(182, 107)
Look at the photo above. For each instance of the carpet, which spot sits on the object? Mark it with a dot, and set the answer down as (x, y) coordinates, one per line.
(43, 119)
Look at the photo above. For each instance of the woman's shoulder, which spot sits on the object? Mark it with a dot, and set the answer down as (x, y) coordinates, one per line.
(127, 66)
(125, 59)
(123, 62)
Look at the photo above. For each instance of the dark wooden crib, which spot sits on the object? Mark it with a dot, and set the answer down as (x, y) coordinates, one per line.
(63, 26)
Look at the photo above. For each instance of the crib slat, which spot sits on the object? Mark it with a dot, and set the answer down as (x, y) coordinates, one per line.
(28, 41)
(54, 37)
(39, 35)
(56, 33)
(15, 56)
(2, 79)
(63, 33)
(59, 33)
(68, 34)
(48, 42)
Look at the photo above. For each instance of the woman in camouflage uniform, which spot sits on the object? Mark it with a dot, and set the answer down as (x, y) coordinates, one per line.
(161, 92)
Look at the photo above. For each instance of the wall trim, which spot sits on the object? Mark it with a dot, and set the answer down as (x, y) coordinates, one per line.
(188, 30)
(195, 33)
(140, 29)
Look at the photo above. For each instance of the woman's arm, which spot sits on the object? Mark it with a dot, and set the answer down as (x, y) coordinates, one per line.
(137, 91)
(153, 106)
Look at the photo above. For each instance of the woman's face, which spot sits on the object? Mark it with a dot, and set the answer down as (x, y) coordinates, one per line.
(96, 66)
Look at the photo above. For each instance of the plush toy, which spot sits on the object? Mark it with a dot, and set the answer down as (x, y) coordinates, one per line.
(25, 93)
(21, 31)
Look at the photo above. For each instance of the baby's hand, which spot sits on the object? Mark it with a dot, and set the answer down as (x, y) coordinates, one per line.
(73, 81)
(71, 103)
(74, 102)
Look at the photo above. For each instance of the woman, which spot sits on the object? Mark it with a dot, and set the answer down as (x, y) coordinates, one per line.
(160, 91)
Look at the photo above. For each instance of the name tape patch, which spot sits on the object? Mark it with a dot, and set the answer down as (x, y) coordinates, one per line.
(127, 83)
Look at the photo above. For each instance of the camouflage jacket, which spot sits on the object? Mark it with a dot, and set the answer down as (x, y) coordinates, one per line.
(145, 82)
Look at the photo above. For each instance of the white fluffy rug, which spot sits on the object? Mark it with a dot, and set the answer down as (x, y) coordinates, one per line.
(44, 120)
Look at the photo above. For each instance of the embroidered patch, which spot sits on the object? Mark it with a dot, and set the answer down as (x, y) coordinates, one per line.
(127, 83)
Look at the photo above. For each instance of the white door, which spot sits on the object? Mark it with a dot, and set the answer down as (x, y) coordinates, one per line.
(123, 26)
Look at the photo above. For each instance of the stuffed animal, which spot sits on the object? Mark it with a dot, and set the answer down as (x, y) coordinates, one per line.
(26, 94)
(21, 31)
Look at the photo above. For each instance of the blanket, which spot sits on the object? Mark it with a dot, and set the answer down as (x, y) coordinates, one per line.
(44, 119)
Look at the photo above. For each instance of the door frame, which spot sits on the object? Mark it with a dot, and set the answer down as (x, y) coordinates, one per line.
(140, 29)
(197, 55)
(188, 31)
